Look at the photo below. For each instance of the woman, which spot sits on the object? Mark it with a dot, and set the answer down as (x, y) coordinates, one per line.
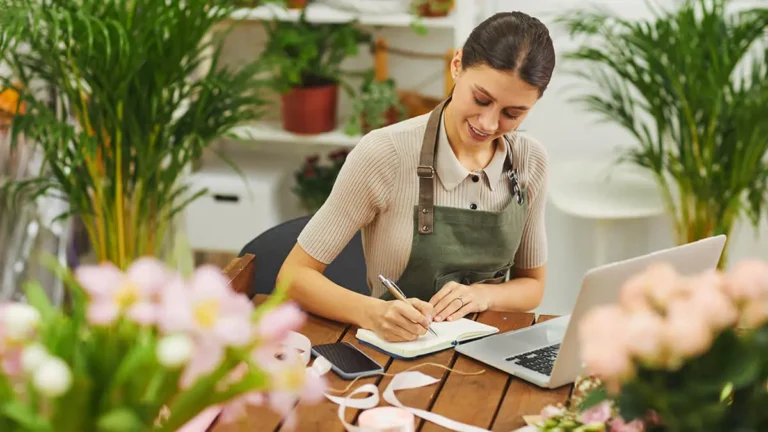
(450, 204)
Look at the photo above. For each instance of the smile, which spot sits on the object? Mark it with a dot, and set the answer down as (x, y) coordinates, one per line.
(477, 134)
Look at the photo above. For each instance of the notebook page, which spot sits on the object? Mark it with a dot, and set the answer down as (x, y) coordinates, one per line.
(447, 333)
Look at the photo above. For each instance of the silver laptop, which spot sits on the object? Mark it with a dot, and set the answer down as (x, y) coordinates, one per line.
(547, 354)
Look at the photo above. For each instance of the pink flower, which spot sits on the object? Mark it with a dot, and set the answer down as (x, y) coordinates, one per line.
(748, 280)
(634, 294)
(619, 425)
(238, 407)
(599, 413)
(10, 362)
(709, 301)
(551, 411)
(645, 335)
(113, 293)
(207, 308)
(276, 323)
(753, 314)
(663, 283)
(211, 312)
(604, 344)
(688, 333)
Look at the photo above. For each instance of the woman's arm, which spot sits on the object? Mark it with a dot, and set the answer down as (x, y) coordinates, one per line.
(392, 320)
(523, 292)
(316, 294)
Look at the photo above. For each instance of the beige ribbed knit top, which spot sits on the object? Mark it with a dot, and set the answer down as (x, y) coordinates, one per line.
(377, 189)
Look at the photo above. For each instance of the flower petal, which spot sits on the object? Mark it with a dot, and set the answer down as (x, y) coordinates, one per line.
(143, 313)
(102, 313)
(99, 280)
(149, 274)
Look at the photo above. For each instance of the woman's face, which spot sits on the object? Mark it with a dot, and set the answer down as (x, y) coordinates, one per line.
(488, 103)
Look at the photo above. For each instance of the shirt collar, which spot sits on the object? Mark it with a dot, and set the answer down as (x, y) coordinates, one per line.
(452, 173)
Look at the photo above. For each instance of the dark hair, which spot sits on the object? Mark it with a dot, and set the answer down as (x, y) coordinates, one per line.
(514, 42)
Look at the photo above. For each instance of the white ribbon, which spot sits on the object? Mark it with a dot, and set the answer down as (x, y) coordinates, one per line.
(401, 381)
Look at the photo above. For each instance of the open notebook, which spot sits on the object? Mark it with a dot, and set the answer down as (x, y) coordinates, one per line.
(450, 334)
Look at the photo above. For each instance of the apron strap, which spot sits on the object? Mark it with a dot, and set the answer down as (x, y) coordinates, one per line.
(426, 169)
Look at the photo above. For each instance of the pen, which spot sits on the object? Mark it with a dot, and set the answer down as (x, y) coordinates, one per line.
(395, 290)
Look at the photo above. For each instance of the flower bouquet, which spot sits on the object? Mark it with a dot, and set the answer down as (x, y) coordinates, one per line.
(680, 353)
(146, 350)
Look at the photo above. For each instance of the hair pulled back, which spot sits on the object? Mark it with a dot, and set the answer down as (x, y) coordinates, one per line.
(512, 42)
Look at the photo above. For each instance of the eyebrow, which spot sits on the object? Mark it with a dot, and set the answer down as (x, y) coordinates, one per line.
(485, 92)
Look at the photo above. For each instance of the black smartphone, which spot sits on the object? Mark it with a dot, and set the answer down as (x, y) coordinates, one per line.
(347, 360)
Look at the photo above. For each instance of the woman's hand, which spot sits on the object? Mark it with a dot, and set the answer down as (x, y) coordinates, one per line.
(455, 300)
(395, 321)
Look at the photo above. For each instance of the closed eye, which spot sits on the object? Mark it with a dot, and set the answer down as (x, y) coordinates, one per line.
(486, 103)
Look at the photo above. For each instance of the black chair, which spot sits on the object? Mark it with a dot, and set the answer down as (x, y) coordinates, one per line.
(272, 247)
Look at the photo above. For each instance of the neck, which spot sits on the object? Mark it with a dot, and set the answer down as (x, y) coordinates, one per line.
(471, 157)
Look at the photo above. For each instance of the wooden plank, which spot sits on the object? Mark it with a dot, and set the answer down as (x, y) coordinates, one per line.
(473, 399)
(325, 415)
(319, 331)
(240, 272)
(424, 397)
(523, 398)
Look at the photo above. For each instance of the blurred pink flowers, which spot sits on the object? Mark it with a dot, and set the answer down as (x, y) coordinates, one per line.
(663, 318)
(113, 292)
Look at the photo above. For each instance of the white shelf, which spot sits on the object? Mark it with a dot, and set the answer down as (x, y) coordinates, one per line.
(274, 133)
(321, 13)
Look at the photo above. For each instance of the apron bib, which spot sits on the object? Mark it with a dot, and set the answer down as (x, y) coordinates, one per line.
(456, 244)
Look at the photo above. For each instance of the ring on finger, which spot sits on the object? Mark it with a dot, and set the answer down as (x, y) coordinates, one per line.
(460, 300)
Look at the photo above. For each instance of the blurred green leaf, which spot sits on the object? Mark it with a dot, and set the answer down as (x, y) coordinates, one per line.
(121, 420)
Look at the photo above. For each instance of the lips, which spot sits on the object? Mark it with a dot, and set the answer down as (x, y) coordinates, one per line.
(477, 134)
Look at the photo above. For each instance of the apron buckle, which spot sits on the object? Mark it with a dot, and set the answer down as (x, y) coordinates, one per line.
(425, 171)
(515, 185)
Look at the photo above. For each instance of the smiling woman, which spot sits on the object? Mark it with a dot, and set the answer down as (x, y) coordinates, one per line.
(450, 203)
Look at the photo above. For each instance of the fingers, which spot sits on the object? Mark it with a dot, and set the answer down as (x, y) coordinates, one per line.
(406, 317)
(444, 291)
(426, 309)
(452, 306)
(467, 308)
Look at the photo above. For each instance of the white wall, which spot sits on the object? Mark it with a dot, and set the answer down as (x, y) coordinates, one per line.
(568, 132)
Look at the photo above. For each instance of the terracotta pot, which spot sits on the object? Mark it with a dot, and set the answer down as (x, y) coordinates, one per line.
(435, 8)
(296, 4)
(392, 117)
(310, 110)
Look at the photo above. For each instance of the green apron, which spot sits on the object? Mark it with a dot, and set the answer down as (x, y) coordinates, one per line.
(456, 244)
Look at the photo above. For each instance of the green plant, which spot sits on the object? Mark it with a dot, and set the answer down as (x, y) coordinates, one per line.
(314, 180)
(422, 8)
(691, 86)
(145, 350)
(134, 107)
(303, 54)
(374, 106)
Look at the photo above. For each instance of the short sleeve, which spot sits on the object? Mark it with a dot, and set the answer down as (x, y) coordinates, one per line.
(362, 189)
(532, 252)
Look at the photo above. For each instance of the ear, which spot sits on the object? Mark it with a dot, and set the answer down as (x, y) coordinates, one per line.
(456, 64)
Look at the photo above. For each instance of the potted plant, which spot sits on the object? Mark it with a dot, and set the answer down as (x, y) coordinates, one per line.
(432, 8)
(691, 87)
(377, 105)
(133, 109)
(305, 59)
(314, 180)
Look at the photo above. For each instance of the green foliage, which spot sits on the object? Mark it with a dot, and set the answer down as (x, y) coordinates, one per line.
(303, 54)
(314, 180)
(371, 108)
(691, 86)
(134, 106)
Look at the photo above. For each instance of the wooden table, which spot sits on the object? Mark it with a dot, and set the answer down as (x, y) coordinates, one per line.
(492, 400)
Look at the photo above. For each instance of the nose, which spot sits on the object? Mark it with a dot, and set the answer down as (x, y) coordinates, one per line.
(489, 121)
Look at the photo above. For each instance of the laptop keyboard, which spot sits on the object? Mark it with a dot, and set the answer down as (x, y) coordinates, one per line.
(541, 360)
